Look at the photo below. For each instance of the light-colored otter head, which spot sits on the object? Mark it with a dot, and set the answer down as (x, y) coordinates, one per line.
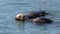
(20, 17)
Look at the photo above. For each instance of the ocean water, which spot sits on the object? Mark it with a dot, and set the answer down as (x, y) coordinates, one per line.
(10, 8)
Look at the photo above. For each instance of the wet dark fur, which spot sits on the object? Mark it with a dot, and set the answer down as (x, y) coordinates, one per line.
(32, 15)
(42, 21)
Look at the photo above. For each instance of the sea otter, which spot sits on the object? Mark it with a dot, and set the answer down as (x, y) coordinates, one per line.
(31, 15)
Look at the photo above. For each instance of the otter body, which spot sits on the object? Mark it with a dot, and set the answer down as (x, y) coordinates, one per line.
(41, 20)
(31, 15)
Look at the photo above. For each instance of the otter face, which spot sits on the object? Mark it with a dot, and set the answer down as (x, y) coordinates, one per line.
(20, 17)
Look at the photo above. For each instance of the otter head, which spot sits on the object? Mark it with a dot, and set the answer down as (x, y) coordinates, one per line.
(20, 17)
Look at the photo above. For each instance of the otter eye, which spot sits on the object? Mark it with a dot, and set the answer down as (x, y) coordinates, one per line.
(19, 16)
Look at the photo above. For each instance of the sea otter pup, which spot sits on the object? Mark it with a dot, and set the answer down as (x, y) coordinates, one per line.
(41, 20)
(30, 15)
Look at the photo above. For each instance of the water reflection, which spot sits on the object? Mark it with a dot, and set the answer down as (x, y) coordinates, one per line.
(20, 24)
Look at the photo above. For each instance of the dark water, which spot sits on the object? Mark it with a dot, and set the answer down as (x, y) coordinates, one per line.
(10, 8)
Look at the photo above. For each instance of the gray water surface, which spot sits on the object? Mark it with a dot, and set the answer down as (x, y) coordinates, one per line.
(10, 8)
